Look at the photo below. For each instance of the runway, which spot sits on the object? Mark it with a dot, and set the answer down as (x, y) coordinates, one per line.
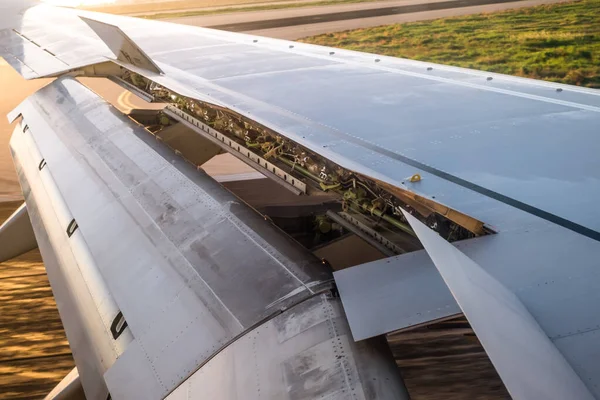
(296, 23)
(355, 14)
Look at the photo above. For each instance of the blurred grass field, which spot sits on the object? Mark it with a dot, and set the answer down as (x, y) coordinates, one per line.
(558, 42)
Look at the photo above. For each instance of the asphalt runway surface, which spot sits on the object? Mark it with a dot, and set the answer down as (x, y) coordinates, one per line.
(299, 22)
(355, 14)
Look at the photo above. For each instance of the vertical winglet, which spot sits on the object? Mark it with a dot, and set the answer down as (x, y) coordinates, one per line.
(121, 45)
(529, 364)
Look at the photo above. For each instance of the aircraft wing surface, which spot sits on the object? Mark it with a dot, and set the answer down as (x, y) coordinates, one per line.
(511, 161)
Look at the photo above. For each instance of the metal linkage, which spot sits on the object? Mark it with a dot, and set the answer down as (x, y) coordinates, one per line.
(265, 167)
(364, 232)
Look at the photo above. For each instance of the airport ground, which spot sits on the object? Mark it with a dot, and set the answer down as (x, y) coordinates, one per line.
(297, 22)
(558, 42)
(555, 42)
(341, 9)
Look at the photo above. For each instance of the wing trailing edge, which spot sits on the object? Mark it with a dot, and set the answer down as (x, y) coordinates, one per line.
(128, 230)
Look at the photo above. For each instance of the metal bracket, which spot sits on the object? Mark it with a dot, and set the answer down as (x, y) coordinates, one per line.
(118, 325)
(376, 240)
(260, 164)
(72, 227)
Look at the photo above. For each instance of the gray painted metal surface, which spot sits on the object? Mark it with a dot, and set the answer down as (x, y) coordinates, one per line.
(16, 235)
(552, 271)
(304, 353)
(189, 266)
(529, 364)
(122, 46)
(372, 113)
(85, 306)
(393, 293)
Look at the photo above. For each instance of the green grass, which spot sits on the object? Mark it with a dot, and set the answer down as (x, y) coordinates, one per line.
(263, 7)
(559, 42)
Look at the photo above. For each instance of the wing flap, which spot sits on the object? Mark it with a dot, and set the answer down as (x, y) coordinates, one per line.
(165, 238)
(84, 307)
(393, 293)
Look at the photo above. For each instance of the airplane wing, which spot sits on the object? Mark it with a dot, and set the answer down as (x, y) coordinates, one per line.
(170, 286)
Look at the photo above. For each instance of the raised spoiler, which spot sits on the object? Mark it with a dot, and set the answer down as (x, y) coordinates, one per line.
(159, 272)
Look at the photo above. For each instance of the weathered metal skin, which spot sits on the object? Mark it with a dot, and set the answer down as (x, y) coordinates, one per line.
(306, 352)
(192, 269)
(85, 305)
